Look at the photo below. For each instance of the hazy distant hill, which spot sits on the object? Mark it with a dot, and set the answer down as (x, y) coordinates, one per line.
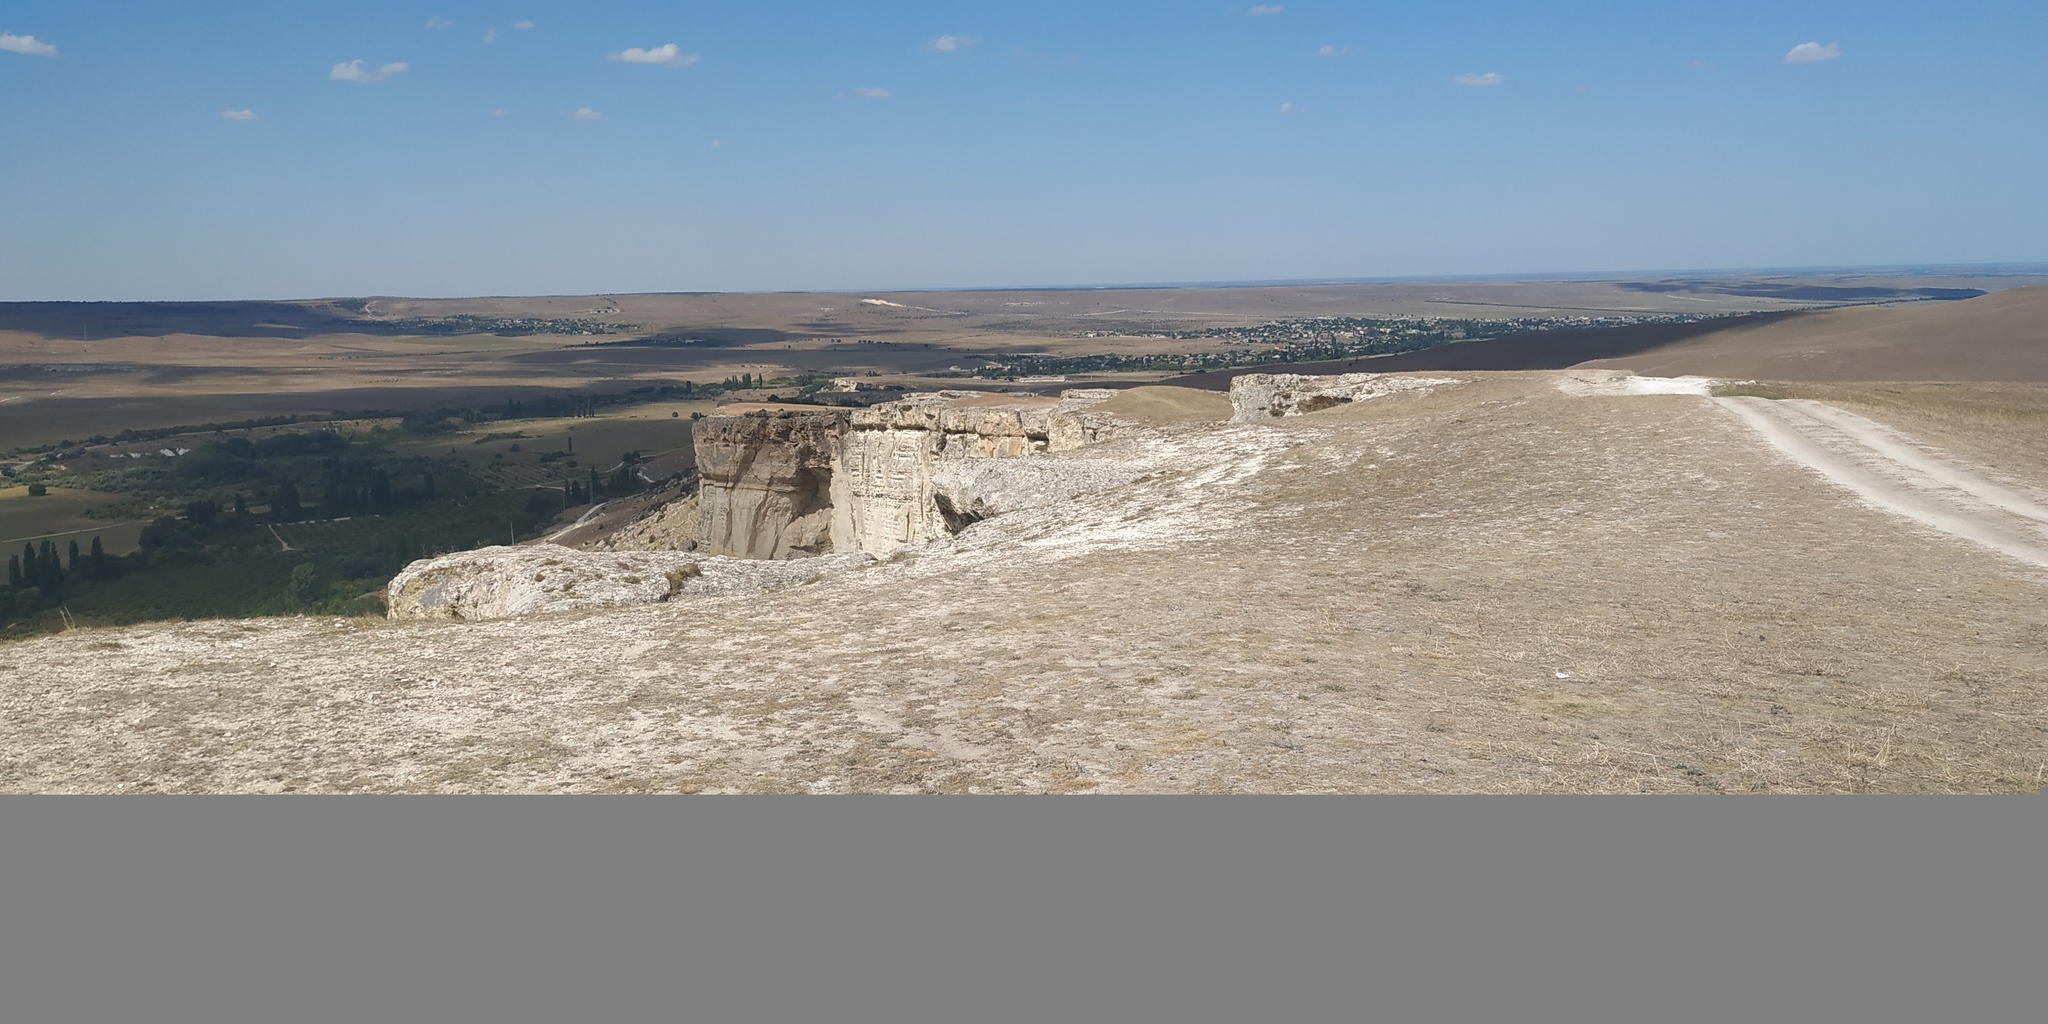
(2002, 336)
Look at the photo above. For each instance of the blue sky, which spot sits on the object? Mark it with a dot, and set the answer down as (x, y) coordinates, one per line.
(838, 146)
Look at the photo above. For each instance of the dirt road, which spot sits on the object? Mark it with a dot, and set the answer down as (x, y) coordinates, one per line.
(1890, 472)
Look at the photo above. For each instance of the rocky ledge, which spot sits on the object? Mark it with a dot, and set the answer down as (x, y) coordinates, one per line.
(495, 582)
(1259, 396)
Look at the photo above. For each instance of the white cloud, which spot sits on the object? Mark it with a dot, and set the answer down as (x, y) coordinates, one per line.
(500, 112)
(1806, 53)
(715, 143)
(522, 24)
(587, 114)
(437, 23)
(490, 35)
(948, 44)
(1265, 9)
(1333, 51)
(873, 92)
(1287, 108)
(26, 44)
(1479, 81)
(357, 71)
(667, 53)
(239, 115)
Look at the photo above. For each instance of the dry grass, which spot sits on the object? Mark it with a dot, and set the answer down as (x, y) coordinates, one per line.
(67, 514)
(154, 366)
(1493, 588)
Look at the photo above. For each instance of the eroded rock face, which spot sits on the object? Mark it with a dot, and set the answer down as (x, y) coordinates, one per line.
(1255, 397)
(885, 493)
(669, 527)
(967, 491)
(781, 485)
(766, 482)
(496, 582)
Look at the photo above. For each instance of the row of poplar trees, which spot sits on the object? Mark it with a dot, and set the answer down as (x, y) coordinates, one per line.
(43, 569)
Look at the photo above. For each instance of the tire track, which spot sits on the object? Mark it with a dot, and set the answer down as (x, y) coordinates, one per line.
(1888, 471)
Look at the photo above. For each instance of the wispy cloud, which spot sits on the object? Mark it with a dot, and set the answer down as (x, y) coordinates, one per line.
(26, 44)
(667, 53)
(1287, 108)
(948, 44)
(359, 71)
(873, 92)
(1479, 81)
(239, 115)
(587, 114)
(1807, 53)
(438, 23)
(522, 24)
(1265, 9)
(490, 35)
(1333, 51)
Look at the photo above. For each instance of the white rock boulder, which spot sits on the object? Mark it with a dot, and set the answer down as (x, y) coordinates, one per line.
(1256, 397)
(496, 582)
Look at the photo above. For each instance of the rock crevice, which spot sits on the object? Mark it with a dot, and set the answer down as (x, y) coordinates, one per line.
(795, 483)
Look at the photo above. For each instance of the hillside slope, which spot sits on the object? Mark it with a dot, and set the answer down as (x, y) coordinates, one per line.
(1494, 586)
(2002, 336)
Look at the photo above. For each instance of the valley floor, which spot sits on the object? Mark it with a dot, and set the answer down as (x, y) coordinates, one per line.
(1497, 586)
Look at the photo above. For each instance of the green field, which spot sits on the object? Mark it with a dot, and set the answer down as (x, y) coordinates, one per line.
(67, 514)
(209, 531)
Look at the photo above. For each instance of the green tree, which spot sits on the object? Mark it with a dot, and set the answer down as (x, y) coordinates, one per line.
(304, 584)
(202, 513)
(50, 572)
(284, 504)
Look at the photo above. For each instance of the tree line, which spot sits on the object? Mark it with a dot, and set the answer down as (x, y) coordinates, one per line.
(41, 575)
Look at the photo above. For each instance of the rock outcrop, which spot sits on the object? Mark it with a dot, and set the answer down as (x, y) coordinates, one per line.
(967, 491)
(495, 582)
(785, 484)
(765, 482)
(669, 527)
(1255, 397)
(845, 485)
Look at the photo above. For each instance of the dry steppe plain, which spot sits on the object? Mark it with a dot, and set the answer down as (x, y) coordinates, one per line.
(74, 370)
(1494, 586)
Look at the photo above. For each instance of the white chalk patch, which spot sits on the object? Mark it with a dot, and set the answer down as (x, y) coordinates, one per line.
(1596, 383)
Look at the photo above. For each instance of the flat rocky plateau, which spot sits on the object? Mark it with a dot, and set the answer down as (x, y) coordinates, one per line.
(1494, 585)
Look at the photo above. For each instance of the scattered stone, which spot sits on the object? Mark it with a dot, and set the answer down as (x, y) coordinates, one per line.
(1256, 397)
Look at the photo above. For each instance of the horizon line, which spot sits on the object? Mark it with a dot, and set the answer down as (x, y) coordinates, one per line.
(1991, 269)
